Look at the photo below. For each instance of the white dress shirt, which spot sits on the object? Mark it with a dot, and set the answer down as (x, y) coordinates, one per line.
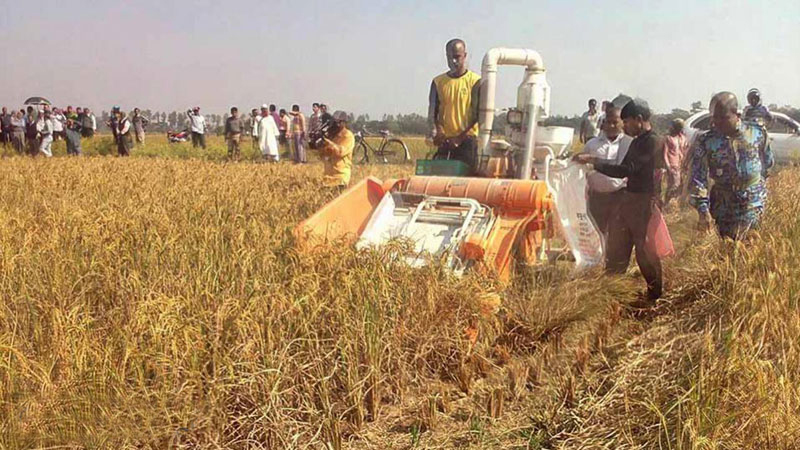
(126, 125)
(610, 151)
(58, 122)
(198, 123)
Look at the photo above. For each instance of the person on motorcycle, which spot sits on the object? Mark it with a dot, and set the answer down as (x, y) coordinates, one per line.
(756, 111)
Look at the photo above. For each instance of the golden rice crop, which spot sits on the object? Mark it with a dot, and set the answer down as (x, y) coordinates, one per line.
(164, 303)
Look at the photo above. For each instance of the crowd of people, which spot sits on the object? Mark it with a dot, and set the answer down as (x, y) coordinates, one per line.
(633, 171)
(637, 173)
(32, 130)
(271, 130)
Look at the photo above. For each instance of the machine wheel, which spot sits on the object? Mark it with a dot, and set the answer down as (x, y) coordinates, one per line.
(394, 151)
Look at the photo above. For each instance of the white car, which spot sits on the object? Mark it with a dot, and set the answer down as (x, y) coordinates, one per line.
(783, 134)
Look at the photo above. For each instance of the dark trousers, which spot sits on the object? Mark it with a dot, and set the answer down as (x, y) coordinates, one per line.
(601, 206)
(198, 140)
(627, 230)
(124, 145)
(33, 145)
(18, 141)
(467, 153)
(298, 138)
(233, 146)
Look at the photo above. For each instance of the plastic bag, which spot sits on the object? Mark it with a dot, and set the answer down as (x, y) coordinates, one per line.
(567, 182)
(658, 240)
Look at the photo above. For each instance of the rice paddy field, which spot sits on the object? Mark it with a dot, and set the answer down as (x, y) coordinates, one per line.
(162, 301)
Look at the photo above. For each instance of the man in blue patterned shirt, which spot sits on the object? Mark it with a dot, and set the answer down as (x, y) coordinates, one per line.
(736, 155)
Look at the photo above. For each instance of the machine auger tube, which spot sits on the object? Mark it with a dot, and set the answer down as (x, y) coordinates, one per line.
(532, 96)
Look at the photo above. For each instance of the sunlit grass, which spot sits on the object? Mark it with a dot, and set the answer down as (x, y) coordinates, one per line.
(161, 301)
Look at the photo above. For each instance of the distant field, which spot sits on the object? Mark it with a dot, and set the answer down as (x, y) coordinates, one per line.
(157, 145)
(162, 302)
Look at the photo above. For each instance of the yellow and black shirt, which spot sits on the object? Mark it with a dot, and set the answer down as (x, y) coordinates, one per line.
(454, 103)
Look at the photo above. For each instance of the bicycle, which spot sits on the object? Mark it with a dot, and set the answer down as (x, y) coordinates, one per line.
(389, 151)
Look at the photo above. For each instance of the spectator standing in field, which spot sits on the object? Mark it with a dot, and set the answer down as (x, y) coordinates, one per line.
(453, 108)
(69, 113)
(610, 146)
(198, 127)
(675, 149)
(755, 111)
(140, 123)
(31, 134)
(123, 134)
(44, 127)
(737, 156)
(112, 123)
(86, 124)
(58, 119)
(627, 228)
(298, 131)
(252, 124)
(91, 130)
(603, 108)
(233, 134)
(313, 120)
(589, 122)
(268, 136)
(5, 127)
(17, 130)
(285, 129)
(273, 111)
(72, 132)
(337, 152)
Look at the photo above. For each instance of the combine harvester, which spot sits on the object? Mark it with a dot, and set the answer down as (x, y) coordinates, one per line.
(526, 199)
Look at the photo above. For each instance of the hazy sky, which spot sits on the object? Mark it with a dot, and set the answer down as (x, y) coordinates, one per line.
(379, 56)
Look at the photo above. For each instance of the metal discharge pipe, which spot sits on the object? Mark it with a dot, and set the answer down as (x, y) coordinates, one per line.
(534, 75)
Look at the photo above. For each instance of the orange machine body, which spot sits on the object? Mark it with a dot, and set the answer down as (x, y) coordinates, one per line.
(521, 208)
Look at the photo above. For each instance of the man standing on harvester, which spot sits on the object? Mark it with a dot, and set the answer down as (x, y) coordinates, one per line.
(453, 108)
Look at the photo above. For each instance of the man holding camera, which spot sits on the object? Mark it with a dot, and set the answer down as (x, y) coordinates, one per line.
(453, 108)
(337, 152)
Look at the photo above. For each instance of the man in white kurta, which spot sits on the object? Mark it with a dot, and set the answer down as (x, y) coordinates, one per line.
(268, 136)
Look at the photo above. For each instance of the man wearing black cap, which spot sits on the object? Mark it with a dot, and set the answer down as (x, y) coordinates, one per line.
(628, 226)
